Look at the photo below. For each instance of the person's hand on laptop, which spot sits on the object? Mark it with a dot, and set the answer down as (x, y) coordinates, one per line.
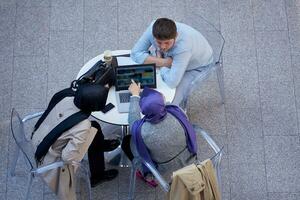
(134, 88)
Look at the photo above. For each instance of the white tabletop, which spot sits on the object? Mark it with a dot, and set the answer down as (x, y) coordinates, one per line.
(113, 116)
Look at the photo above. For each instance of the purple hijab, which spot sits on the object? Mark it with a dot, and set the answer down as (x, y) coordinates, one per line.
(153, 107)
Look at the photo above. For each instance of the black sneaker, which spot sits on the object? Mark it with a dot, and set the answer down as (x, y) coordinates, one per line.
(108, 175)
(110, 145)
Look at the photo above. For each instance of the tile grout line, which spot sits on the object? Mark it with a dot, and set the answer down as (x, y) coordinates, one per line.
(83, 31)
(11, 95)
(292, 69)
(49, 35)
(225, 115)
(48, 64)
(118, 41)
(118, 45)
(260, 104)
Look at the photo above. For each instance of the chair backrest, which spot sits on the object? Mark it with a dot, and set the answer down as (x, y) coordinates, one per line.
(211, 31)
(19, 135)
(164, 184)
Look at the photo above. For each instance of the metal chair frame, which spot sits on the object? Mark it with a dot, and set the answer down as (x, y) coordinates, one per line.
(164, 184)
(34, 170)
(216, 66)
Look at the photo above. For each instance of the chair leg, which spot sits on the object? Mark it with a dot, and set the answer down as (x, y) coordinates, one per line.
(14, 160)
(30, 178)
(88, 183)
(132, 180)
(220, 76)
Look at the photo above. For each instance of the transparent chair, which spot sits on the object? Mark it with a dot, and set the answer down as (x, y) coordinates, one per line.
(164, 184)
(24, 145)
(217, 42)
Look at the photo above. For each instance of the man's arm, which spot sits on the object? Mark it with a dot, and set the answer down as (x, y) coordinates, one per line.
(140, 51)
(80, 137)
(160, 62)
(173, 75)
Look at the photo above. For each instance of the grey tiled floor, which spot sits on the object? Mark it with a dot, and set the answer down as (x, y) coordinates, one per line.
(44, 43)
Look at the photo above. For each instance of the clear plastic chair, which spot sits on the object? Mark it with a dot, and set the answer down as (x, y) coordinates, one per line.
(164, 184)
(24, 145)
(217, 42)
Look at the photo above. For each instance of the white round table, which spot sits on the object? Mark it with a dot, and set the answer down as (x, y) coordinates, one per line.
(113, 116)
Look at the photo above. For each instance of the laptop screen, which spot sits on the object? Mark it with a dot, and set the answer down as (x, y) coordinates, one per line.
(142, 73)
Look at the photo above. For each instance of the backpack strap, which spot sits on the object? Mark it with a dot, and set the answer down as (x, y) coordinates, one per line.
(55, 133)
(68, 92)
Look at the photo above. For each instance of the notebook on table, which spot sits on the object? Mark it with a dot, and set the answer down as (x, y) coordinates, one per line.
(145, 74)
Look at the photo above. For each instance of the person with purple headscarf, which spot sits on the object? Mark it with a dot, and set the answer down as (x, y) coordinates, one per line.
(163, 137)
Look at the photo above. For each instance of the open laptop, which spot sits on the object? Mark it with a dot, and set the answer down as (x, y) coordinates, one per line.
(142, 73)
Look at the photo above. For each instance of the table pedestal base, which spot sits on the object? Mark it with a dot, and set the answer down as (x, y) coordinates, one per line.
(117, 156)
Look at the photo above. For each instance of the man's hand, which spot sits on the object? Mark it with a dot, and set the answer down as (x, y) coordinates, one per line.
(134, 88)
(160, 62)
(168, 62)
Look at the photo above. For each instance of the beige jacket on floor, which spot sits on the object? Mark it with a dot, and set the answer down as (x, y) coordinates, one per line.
(195, 183)
(70, 146)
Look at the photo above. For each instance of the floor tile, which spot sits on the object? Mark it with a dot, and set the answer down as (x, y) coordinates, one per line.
(8, 3)
(273, 55)
(65, 59)
(66, 3)
(278, 108)
(205, 108)
(7, 31)
(139, 195)
(236, 15)
(29, 82)
(249, 196)
(124, 178)
(296, 74)
(17, 188)
(96, 42)
(282, 163)
(283, 196)
(248, 180)
(240, 154)
(33, 3)
(100, 21)
(202, 16)
(5, 85)
(269, 15)
(138, 20)
(127, 39)
(175, 12)
(32, 31)
(294, 42)
(101, 3)
(66, 15)
(106, 190)
(244, 121)
(293, 14)
(4, 129)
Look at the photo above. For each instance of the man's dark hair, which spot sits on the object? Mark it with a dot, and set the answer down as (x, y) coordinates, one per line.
(164, 29)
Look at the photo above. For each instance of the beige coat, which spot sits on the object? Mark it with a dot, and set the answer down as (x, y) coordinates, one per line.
(195, 183)
(70, 146)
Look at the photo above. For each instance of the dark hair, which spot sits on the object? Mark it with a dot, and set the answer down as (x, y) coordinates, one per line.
(90, 97)
(164, 29)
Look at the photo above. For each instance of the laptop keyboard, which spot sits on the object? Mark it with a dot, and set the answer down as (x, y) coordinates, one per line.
(124, 97)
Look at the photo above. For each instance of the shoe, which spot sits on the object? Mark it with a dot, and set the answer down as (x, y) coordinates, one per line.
(110, 145)
(148, 180)
(108, 175)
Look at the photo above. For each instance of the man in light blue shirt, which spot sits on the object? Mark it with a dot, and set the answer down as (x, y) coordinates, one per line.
(177, 49)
